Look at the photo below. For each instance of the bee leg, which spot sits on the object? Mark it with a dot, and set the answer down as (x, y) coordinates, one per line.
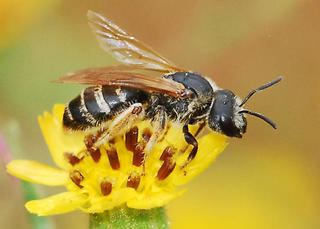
(118, 126)
(199, 130)
(159, 124)
(191, 140)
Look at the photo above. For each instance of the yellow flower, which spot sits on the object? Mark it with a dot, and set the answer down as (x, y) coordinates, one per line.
(114, 175)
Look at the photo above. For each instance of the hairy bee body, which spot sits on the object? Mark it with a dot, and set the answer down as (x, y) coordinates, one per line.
(99, 104)
(127, 93)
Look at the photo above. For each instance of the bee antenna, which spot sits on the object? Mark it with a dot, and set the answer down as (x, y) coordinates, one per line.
(261, 116)
(261, 88)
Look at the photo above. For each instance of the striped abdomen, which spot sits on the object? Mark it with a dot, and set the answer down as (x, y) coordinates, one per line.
(98, 104)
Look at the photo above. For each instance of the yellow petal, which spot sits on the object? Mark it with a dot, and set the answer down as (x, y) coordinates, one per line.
(153, 200)
(115, 199)
(57, 204)
(59, 140)
(210, 146)
(37, 172)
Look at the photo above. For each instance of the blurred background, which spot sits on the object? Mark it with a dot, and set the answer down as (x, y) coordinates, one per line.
(268, 179)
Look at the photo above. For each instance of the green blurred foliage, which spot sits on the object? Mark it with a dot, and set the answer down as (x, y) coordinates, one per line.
(267, 179)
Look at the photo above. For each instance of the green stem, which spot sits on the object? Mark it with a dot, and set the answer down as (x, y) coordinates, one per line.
(123, 218)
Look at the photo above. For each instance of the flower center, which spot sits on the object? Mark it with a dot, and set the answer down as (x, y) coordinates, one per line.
(120, 164)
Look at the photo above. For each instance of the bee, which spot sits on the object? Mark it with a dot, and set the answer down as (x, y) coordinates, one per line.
(149, 87)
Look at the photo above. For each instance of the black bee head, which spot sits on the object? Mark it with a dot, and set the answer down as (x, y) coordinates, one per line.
(224, 116)
(227, 114)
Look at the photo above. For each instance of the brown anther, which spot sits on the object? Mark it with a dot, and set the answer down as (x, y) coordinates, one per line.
(76, 178)
(166, 169)
(95, 154)
(106, 188)
(112, 141)
(136, 110)
(133, 181)
(72, 159)
(146, 134)
(89, 141)
(132, 138)
(113, 158)
(138, 155)
(92, 138)
(167, 153)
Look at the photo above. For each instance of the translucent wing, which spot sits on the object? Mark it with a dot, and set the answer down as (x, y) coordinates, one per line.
(126, 48)
(123, 76)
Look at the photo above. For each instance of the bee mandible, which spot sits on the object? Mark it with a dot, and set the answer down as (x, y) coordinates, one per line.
(130, 92)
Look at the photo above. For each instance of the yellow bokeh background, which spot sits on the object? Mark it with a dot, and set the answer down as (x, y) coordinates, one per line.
(268, 179)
